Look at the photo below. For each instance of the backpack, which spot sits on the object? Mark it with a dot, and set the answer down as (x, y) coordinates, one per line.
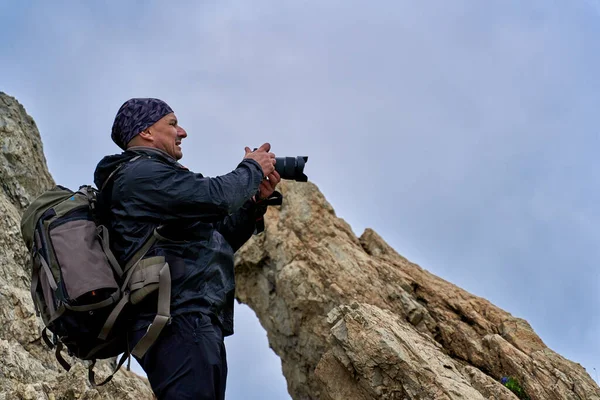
(78, 288)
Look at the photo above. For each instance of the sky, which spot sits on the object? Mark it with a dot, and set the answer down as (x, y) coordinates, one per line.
(464, 132)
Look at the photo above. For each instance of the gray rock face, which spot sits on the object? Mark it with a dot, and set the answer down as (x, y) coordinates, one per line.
(23, 170)
(28, 369)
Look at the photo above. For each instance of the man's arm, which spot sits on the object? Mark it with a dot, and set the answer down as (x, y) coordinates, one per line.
(166, 192)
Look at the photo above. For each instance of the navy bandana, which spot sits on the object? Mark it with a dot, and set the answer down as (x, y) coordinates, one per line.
(136, 115)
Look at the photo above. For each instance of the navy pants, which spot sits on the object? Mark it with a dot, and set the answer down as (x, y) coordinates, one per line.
(188, 360)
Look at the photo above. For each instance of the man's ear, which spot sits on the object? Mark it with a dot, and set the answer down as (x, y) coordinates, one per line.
(146, 134)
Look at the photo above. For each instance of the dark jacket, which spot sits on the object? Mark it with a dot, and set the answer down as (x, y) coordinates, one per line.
(205, 219)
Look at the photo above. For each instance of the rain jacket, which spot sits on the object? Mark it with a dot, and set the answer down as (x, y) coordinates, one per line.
(204, 219)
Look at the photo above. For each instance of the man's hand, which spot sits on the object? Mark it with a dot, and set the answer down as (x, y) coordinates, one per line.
(263, 157)
(267, 186)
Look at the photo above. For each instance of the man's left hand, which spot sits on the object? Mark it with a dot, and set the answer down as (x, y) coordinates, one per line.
(267, 186)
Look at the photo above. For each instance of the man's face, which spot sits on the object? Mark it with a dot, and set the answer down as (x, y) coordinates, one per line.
(167, 135)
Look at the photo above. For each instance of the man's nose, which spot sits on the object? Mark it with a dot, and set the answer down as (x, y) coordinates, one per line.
(181, 132)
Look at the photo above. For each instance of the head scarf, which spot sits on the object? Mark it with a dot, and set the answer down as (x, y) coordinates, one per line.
(136, 115)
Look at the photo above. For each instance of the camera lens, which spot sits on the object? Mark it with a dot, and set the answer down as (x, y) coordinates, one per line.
(291, 168)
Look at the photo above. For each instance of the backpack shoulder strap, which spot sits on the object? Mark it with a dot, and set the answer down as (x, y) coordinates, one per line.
(128, 271)
(163, 313)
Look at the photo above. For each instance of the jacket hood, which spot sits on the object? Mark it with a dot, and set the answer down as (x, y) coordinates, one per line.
(108, 164)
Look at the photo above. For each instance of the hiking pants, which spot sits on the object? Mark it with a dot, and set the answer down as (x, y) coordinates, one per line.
(188, 360)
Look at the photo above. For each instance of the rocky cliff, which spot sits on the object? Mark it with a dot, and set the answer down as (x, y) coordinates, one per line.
(352, 319)
(28, 370)
(349, 317)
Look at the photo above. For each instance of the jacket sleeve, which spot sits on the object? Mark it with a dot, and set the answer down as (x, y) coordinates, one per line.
(238, 227)
(161, 191)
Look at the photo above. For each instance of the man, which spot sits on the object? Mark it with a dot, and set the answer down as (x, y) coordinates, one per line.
(203, 222)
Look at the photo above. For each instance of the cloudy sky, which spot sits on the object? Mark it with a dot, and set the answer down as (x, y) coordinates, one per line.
(465, 132)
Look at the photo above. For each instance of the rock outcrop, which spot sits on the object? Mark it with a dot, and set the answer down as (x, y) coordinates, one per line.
(352, 319)
(349, 317)
(28, 370)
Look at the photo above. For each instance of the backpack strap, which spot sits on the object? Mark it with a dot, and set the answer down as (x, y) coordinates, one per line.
(46, 338)
(59, 347)
(275, 199)
(161, 319)
(92, 375)
(35, 278)
(129, 269)
(59, 357)
(104, 303)
(105, 243)
(49, 275)
(163, 313)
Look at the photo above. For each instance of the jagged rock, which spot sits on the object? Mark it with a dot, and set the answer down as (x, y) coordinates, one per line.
(28, 369)
(352, 319)
(349, 317)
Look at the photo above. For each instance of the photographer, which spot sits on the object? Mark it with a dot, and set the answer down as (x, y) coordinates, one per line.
(202, 222)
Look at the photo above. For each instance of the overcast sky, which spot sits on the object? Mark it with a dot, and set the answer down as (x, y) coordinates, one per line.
(464, 132)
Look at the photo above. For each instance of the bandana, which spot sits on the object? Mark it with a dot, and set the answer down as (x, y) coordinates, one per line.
(136, 115)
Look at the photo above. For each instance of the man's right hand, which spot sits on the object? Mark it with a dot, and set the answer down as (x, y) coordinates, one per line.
(263, 157)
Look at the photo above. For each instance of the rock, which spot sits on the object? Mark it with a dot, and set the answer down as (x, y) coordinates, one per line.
(352, 319)
(28, 369)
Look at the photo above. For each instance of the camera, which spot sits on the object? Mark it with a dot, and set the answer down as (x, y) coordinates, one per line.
(291, 168)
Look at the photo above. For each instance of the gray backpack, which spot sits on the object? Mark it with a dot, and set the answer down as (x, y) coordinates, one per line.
(79, 289)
